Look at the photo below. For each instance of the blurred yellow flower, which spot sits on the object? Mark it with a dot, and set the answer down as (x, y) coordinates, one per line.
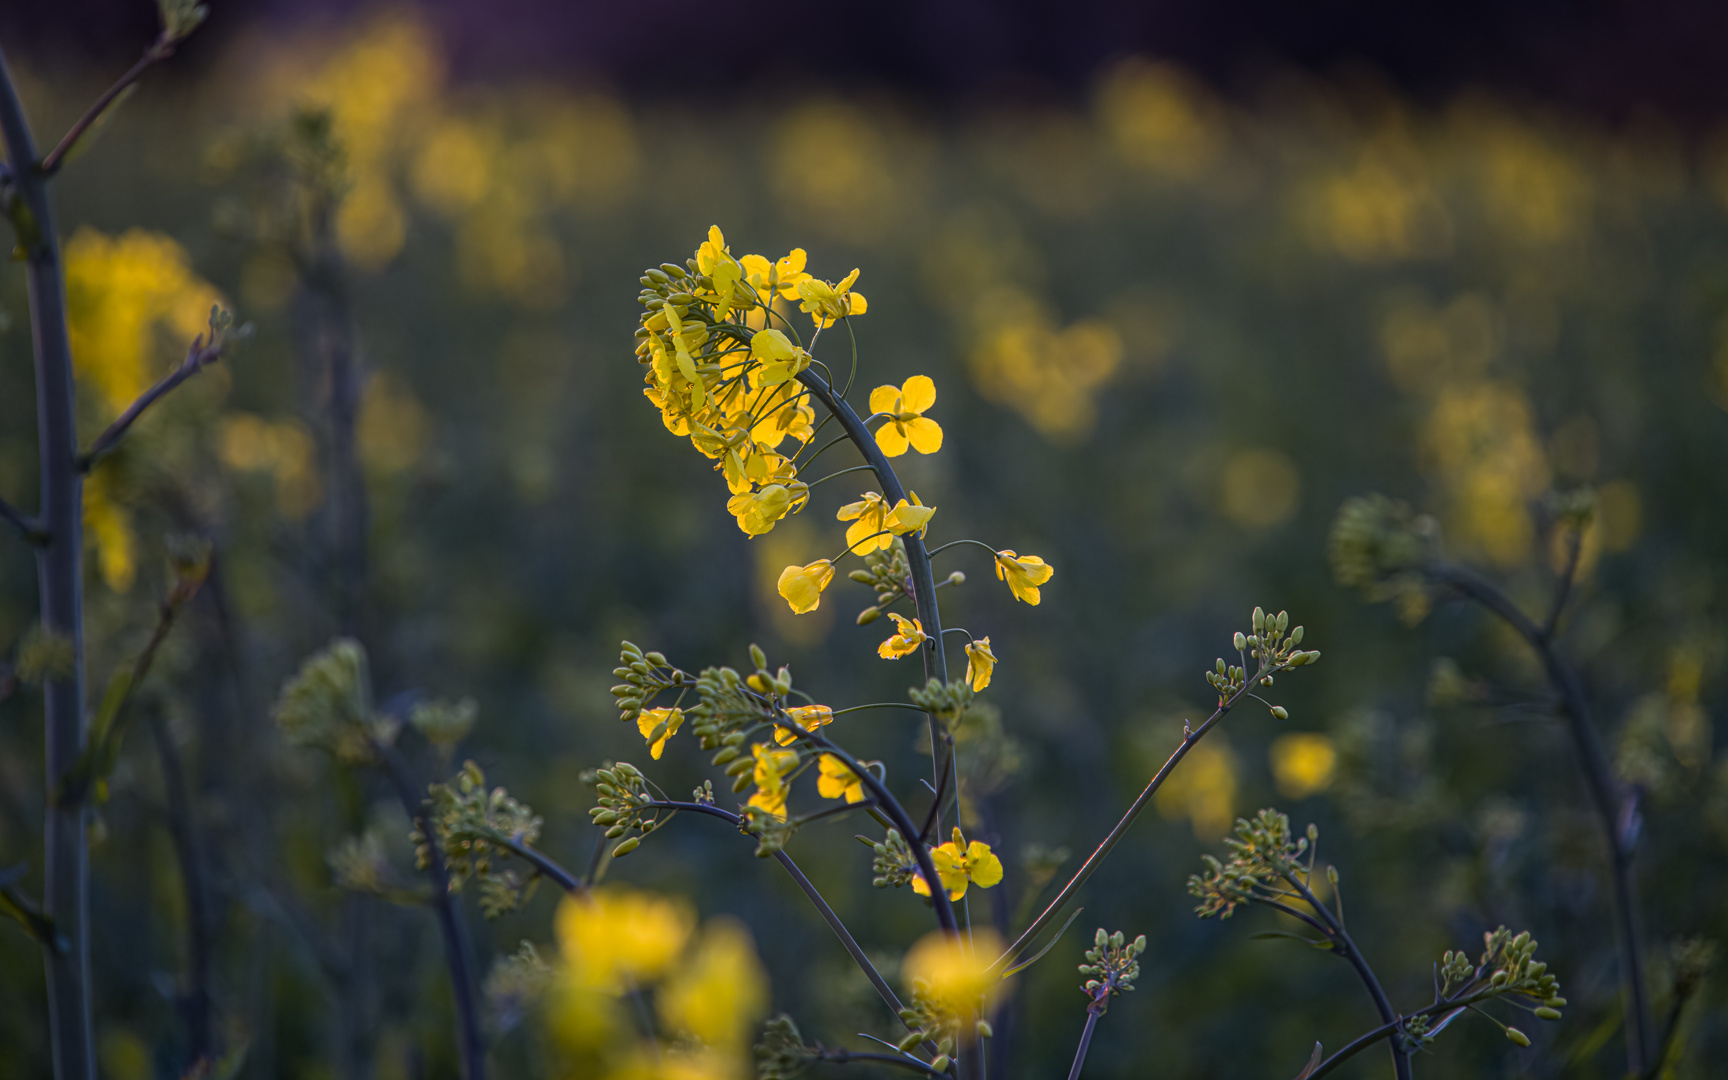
(1203, 790)
(720, 993)
(1303, 764)
(616, 938)
(108, 528)
(952, 975)
(869, 516)
(649, 720)
(960, 864)
(909, 635)
(913, 517)
(907, 425)
(808, 717)
(837, 778)
(980, 663)
(802, 585)
(1024, 574)
(770, 778)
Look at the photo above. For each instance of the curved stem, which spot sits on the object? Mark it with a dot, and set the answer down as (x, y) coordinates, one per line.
(60, 578)
(469, 1043)
(1092, 1014)
(567, 881)
(842, 1057)
(1617, 811)
(159, 50)
(1341, 943)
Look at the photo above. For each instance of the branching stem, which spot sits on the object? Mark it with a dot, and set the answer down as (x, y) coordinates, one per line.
(198, 357)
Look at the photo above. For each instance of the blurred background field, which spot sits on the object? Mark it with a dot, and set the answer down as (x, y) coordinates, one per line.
(1173, 325)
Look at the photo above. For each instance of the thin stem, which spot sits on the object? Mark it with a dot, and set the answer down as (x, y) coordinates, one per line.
(956, 543)
(198, 357)
(842, 472)
(471, 1048)
(24, 522)
(881, 705)
(60, 577)
(1616, 811)
(159, 50)
(1190, 737)
(843, 1057)
(183, 829)
(567, 881)
(1085, 1043)
(1341, 937)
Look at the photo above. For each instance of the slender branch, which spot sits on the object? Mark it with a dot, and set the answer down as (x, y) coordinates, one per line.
(567, 881)
(24, 522)
(843, 1057)
(183, 829)
(1092, 1014)
(160, 49)
(1563, 588)
(1342, 944)
(1616, 811)
(1189, 738)
(60, 577)
(470, 1046)
(198, 357)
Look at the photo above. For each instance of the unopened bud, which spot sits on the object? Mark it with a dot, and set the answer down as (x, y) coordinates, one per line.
(1241, 642)
(1280, 713)
(1259, 620)
(1517, 1036)
(636, 841)
(758, 657)
(869, 615)
(1545, 1013)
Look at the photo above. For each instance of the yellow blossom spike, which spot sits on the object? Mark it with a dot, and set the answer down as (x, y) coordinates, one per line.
(909, 635)
(802, 585)
(1023, 573)
(980, 663)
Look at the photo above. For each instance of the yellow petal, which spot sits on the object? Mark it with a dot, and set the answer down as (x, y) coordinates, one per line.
(891, 437)
(917, 395)
(771, 345)
(885, 399)
(925, 435)
(859, 304)
(986, 867)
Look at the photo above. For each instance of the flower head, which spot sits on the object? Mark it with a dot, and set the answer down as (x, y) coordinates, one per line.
(772, 786)
(781, 360)
(907, 425)
(802, 585)
(837, 778)
(665, 722)
(869, 528)
(615, 938)
(913, 517)
(825, 303)
(758, 511)
(980, 663)
(909, 634)
(960, 864)
(808, 717)
(1023, 573)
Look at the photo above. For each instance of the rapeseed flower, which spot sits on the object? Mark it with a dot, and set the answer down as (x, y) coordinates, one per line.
(827, 303)
(1023, 573)
(648, 721)
(781, 360)
(720, 992)
(757, 512)
(907, 424)
(802, 585)
(907, 637)
(837, 778)
(772, 787)
(952, 977)
(960, 864)
(980, 663)
(808, 717)
(913, 517)
(613, 938)
(869, 517)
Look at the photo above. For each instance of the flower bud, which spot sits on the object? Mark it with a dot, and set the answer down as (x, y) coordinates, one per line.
(1241, 642)
(636, 841)
(658, 659)
(862, 577)
(940, 1064)
(1545, 1013)
(985, 1031)
(758, 657)
(1296, 636)
(1259, 620)
(1517, 1036)
(726, 753)
(616, 831)
(741, 783)
(1279, 712)
(869, 615)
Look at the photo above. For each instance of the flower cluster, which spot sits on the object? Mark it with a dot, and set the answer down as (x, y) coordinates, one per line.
(1112, 964)
(475, 829)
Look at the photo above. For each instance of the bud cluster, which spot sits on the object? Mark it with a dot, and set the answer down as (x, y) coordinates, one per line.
(328, 705)
(782, 1054)
(1262, 853)
(888, 572)
(893, 865)
(359, 864)
(948, 702)
(1112, 964)
(471, 825)
(644, 675)
(624, 805)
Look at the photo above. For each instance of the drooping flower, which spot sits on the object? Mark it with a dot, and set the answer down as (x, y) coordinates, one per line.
(757, 512)
(648, 721)
(781, 360)
(616, 938)
(952, 976)
(770, 778)
(980, 663)
(837, 778)
(869, 516)
(907, 637)
(1023, 573)
(802, 585)
(826, 303)
(960, 864)
(913, 517)
(808, 717)
(907, 426)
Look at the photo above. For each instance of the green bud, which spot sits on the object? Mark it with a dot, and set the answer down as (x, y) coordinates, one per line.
(758, 657)
(1280, 712)
(941, 1063)
(725, 754)
(985, 1031)
(1555, 1002)
(1296, 636)
(1283, 621)
(912, 1039)
(1517, 1036)
(1241, 642)
(606, 789)
(740, 784)
(606, 817)
(1259, 620)
(869, 615)
(658, 659)
(606, 776)
(741, 766)
(1545, 1013)
(636, 841)
(658, 277)
(616, 831)
(673, 270)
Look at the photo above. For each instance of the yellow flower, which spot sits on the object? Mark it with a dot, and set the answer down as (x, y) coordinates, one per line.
(907, 425)
(870, 517)
(953, 976)
(825, 303)
(770, 777)
(1023, 573)
(910, 518)
(802, 585)
(909, 635)
(614, 938)
(757, 513)
(837, 779)
(782, 276)
(781, 360)
(980, 663)
(648, 720)
(720, 993)
(713, 259)
(808, 717)
(960, 864)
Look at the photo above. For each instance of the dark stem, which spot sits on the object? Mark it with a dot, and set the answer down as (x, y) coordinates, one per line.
(60, 576)
(159, 50)
(24, 522)
(1342, 944)
(183, 829)
(1092, 1015)
(1615, 811)
(198, 357)
(1563, 588)
(1139, 804)
(565, 879)
(469, 1044)
(843, 1057)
